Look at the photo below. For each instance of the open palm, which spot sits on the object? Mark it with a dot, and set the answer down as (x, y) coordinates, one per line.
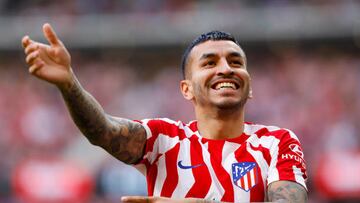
(48, 62)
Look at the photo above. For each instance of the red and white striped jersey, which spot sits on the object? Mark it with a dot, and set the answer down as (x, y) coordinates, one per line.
(179, 163)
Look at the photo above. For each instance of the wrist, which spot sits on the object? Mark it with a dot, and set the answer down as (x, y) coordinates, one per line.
(68, 83)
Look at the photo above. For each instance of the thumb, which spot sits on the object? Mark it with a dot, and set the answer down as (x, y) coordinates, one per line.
(50, 35)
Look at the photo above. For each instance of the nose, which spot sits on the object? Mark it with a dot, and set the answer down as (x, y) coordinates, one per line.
(225, 69)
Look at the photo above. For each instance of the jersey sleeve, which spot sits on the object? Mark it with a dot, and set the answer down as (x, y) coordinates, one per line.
(153, 128)
(162, 135)
(287, 161)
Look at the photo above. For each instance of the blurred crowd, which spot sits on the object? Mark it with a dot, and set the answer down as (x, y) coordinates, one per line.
(80, 7)
(44, 158)
(314, 93)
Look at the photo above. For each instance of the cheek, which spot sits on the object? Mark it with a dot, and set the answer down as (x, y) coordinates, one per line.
(245, 76)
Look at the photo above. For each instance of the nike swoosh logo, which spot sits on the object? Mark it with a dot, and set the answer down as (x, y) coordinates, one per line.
(188, 167)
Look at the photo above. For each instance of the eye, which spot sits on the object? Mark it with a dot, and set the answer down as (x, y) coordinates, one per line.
(209, 64)
(236, 63)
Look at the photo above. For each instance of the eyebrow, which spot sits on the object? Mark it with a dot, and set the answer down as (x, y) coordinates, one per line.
(207, 55)
(235, 54)
(211, 55)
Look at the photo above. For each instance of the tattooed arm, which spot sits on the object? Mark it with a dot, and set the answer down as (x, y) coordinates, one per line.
(286, 191)
(122, 138)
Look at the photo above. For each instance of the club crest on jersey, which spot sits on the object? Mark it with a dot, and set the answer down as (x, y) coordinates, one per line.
(245, 175)
(296, 149)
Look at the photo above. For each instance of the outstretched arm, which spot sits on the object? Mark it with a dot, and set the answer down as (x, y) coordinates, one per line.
(286, 191)
(122, 138)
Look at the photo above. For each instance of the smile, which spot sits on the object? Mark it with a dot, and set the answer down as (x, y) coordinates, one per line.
(223, 85)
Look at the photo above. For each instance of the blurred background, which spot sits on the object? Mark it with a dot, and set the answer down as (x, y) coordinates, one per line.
(303, 57)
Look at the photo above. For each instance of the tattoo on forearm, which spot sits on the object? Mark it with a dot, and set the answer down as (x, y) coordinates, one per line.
(85, 111)
(127, 140)
(287, 191)
(122, 138)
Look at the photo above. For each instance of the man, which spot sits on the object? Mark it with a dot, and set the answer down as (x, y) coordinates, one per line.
(218, 157)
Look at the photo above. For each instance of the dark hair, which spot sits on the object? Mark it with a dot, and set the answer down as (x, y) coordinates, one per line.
(213, 35)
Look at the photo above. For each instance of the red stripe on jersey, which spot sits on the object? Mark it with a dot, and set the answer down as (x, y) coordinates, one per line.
(158, 127)
(249, 182)
(215, 150)
(193, 126)
(150, 177)
(258, 191)
(172, 177)
(285, 165)
(242, 183)
(265, 152)
(154, 126)
(172, 130)
(256, 171)
(152, 172)
(201, 174)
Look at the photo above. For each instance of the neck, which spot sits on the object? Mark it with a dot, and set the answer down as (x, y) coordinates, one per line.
(220, 123)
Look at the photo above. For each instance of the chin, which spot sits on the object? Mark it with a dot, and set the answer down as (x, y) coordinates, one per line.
(230, 104)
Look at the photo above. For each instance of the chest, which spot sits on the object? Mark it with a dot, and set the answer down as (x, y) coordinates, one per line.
(216, 170)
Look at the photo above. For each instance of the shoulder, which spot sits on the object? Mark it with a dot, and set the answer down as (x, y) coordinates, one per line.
(166, 127)
(161, 121)
(269, 130)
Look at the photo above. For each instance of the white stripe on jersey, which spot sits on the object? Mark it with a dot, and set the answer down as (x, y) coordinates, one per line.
(187, 178)
(216, 190)
(228, 152)
(246, 185)
(251, 129)
(161, 146)
(266, 142)
(188, 131)
(161, 176)
(177, 123)
(273, 171)
(299, 176)
(292, 135)
(166, 146)
(252, 176)
(147, 129)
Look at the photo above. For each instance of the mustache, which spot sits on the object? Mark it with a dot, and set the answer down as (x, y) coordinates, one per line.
(237, 80)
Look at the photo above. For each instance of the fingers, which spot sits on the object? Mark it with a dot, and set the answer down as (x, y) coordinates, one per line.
(50, 35)
(34, 62)
(31, 47)
(25, 41)
(36, 66)
(30, 58)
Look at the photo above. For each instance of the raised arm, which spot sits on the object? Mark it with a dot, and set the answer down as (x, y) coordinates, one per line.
(122, 138)
(286, 191)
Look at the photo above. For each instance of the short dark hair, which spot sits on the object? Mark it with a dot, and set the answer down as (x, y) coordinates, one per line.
(213, 35)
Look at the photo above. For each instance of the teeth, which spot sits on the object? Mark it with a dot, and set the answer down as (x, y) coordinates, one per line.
(225, 85)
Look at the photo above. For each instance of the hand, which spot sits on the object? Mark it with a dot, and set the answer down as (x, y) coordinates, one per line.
(48, 62)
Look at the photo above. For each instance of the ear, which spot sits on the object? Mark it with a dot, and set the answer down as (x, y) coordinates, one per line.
(186, 89)
(250, 96)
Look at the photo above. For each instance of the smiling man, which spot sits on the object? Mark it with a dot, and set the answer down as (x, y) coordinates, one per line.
(217, 157)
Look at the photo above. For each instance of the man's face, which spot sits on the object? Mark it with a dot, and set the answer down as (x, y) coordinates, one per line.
(216, 75)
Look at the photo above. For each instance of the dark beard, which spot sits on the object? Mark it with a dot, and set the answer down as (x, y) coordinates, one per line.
(230, 106)
(241, 104)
